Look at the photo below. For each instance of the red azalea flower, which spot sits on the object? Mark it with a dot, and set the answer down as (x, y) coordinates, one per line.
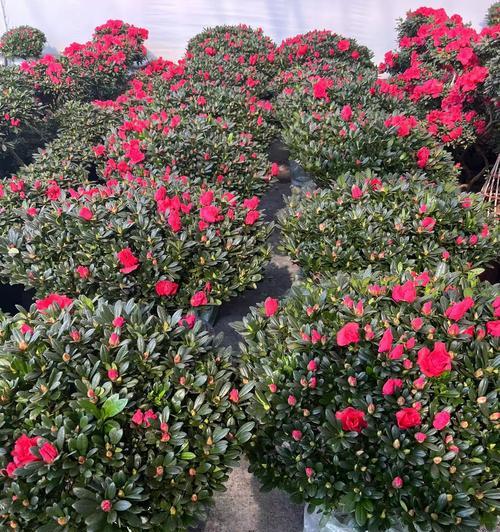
(493, 328)
(85, 213)
(408, 418)
(456, 311)
(349, 334)
(385, 343)
(405, 292)
(166, 288)
(271, 306)
(434, 363)
(82, 271)
(199, 299)
(234, 395)
(209, 214)
(252, 217)
(128, 260)
(351, 419)
(53, 299)
(391, 386)
(48, 452)
(441, 420)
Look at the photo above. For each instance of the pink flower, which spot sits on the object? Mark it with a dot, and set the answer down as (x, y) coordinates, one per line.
(457, 311)
(106, 505)
(25, 329)
(113, 374)
(423, 157)
(428, 223)
(385, 344)
(343, 45)
(427, 308)
(85, 213)
(48, 452)
(434, 363)
(271, 306)
(397, 352)
(166, 288)
(296, 435)
(251, 217)
(346, 113)
(356, 192)
(138, 417)
(291, 400)
(441, 420)
(251, 203)
(210, 213)
(349, 334)
(53, 299)
(391, 386)
(199, 299)
(83, 272)
(188, 321)
(118, 321)
(149, 415)
(128, 260)
(420, 437)
(405, 292)
(312, 366)
(234, 395)
(416, 323)
(397, 482)
(272, 388)
(419, 383)
(114, 340)
(309, 472)
(319, 88)
(493, 328)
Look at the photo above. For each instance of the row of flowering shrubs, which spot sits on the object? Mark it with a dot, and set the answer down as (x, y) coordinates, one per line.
(376, 386)
(372, 391)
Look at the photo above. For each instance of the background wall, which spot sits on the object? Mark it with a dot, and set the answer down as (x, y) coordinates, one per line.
(172, 22)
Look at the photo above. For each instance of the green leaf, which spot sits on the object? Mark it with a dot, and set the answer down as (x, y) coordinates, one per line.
(113, 406)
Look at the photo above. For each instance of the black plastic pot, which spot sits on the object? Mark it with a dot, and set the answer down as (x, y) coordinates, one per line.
(12, 295)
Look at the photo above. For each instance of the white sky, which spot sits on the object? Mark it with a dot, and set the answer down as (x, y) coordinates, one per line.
(172, 22)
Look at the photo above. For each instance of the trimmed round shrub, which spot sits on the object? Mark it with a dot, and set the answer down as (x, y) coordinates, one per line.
(438, 67)
(352, 138)
(22, 42)
(179, 245)
(113, 416)
(493, 14)
(370, 221)
(23, 124)
(232, 56)
(378, 397)
(322, 45)
(69, 159)
(210, 150)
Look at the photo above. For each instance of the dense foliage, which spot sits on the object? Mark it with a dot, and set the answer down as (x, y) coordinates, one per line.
(378, 396)
(177, 244)
(370, 221)
(113, 417)
(22, 42)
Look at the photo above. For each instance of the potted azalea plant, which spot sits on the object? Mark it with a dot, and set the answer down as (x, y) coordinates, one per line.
(376, 399)
(367, 220)
(177, 244)
(113, 416)
(22, 42)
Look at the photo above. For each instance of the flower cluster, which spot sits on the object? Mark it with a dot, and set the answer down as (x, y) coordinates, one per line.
(177, 244)
(321, 45)
(96, 69)
(406, 361)
(438, 66)
(113, 415)
(23, 42)
(232, 56)
(374, 221)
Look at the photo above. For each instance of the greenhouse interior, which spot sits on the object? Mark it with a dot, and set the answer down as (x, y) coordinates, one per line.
(249, 265)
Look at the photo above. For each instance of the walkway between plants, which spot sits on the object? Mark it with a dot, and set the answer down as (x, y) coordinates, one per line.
(243, 507)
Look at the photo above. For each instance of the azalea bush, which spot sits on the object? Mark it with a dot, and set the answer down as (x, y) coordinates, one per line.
(177, 244)
(374, 221)
(232, 56)
(377, 396)
(22, 42)
(99, 68)
(69, 159)
(189, 142)
(350, 138)
(113, 416)
(322, 45)
(23, 123)
(438, 67)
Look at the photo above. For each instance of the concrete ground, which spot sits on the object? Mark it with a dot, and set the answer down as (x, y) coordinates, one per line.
(243, 508)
